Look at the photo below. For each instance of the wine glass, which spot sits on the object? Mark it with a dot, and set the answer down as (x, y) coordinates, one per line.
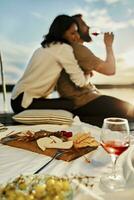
(115, 140)
(95, 31)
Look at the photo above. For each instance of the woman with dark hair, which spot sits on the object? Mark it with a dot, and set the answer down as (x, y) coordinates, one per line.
(45, 66)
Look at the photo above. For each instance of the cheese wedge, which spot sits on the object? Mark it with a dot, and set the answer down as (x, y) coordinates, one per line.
(60, 145)
(42, 141)
(56, 139)
(48, 142)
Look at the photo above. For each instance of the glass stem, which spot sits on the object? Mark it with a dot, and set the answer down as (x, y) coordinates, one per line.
(114, 160)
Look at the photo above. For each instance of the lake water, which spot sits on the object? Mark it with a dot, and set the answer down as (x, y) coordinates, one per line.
(122, 93)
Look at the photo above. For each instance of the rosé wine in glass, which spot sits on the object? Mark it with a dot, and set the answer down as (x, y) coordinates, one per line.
(95, 31)
(113, 147)
(115, 140)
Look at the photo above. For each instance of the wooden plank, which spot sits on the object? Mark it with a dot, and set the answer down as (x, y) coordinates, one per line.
(70, 155)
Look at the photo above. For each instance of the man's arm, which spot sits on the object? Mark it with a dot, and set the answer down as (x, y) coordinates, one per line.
(108, 66)
(88, 61)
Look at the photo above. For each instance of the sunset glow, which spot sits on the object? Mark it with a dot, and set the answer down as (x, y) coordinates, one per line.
(129, 58)
(23, 24)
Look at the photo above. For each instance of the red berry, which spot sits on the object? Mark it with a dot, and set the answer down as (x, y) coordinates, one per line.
(67, 133)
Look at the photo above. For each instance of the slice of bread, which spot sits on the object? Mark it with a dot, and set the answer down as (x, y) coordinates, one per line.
(81, 140)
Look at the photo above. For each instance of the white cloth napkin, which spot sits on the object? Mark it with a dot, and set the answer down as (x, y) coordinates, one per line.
(126, 163)
(20, 161)
(128, 167)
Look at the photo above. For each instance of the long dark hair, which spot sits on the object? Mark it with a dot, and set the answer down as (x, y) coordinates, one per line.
(57, 29)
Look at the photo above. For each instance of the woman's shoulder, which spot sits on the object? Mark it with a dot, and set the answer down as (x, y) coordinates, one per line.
(67, 47)
(62, 48)
(57, 49)
(64, 45)
(38, 50)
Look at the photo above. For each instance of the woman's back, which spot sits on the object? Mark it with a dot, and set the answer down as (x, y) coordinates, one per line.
(43, 69)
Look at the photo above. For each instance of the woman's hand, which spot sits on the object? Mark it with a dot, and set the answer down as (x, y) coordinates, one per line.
(108, 39)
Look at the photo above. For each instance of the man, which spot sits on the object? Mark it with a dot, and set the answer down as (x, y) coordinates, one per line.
(89, 101)
(88, 62)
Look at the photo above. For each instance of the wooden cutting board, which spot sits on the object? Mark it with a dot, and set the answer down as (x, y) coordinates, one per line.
(67, 156)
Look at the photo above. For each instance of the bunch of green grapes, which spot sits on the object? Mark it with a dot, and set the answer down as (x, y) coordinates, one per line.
(37, 188)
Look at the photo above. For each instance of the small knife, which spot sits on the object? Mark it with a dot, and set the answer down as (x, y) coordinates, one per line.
(8, 139)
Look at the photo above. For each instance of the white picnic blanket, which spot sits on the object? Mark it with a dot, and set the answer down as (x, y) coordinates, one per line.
(14, 161)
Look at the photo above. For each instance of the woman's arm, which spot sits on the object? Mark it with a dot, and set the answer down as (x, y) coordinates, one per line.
(70, 64)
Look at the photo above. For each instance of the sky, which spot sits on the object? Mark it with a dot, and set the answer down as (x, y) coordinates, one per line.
(23, 24)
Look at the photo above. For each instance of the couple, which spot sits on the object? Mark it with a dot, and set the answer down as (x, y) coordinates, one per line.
(63, 62)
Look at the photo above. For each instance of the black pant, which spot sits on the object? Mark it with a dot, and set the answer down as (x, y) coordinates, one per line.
(93, 112)
(42, 103)
(104, 106)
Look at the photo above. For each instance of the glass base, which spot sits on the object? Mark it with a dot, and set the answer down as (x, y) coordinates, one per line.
(112, 182)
